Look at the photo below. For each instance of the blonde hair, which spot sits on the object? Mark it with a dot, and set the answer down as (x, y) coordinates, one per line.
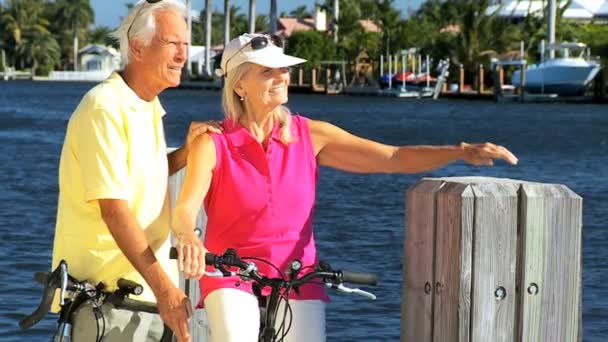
(234, 108)
(143, 27)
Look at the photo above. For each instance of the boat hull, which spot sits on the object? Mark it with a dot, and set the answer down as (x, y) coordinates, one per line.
(562, 77)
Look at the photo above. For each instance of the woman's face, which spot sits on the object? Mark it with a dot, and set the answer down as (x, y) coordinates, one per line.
(264, 88)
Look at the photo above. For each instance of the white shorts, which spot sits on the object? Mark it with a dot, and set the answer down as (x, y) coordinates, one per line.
(234, 316)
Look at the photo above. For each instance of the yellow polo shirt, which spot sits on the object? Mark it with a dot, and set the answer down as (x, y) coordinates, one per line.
(114, 149)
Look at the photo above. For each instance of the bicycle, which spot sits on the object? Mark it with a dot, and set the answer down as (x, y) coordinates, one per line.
(74, 293)
(282, 286)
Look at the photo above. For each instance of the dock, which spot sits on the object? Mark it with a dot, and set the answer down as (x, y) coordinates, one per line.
(11, 74)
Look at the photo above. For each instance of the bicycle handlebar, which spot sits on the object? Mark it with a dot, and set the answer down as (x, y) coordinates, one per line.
(360, 278)
(324, 271)
(53, 281)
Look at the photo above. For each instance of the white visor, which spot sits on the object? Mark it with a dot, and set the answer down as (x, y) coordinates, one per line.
(239, 51)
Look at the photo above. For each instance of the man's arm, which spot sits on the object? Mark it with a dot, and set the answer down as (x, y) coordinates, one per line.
(174, 306)
(177, 159)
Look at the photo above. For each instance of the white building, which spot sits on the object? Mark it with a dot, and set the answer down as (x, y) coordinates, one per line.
(96, 63)
(99, 58)
(577, 10)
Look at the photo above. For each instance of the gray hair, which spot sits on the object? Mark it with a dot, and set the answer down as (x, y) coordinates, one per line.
(234, 108)
(144, 26)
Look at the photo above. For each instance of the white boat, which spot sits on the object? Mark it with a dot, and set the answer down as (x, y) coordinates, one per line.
(566, 75)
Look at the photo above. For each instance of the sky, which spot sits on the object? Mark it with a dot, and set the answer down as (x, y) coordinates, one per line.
(109, 12)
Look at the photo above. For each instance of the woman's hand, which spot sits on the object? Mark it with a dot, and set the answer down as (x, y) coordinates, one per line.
(484, 154)
(190, 255)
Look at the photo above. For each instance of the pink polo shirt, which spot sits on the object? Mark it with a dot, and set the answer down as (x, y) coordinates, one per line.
(261, 203)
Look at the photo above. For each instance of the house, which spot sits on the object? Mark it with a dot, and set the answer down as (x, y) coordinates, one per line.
(98, 58)
(96, 63)
(287, 26)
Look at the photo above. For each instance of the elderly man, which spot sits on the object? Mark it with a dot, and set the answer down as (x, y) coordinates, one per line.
(113, 206)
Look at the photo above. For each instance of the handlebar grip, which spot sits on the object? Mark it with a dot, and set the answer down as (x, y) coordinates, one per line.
(360, 278)
(130, 286)
(209, 257)
(43, 308)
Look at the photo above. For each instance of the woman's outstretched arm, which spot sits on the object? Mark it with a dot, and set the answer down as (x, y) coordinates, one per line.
(337, 148)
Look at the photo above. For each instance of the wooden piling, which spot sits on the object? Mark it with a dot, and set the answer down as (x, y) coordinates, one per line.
(491, 259)
(522, 82)
(481, 80)
(461, 80)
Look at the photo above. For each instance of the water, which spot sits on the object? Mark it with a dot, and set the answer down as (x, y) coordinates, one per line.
(359, 218)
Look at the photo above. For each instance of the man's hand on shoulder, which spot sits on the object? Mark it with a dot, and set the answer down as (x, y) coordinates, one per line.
(197, 128)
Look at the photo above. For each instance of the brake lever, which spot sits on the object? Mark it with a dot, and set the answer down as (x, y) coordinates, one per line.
(215, 274)
(344, 289)
(63, 276)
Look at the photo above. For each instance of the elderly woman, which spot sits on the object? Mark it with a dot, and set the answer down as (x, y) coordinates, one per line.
(257, 182)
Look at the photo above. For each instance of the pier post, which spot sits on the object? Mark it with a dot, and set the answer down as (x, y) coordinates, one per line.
(489, 259)
(300, 76)
(327, 78)
(522, 81)
(599, 84)
(481, 80)
(461, 79)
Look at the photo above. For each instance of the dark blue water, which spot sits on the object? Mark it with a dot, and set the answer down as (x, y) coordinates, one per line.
(359, 218)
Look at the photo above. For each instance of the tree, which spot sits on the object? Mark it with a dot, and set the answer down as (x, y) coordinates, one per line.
(311, 45)
(21, 19)
(102, 35)
(300, 12)
(239, 24)
(75, 16)
(40, 49)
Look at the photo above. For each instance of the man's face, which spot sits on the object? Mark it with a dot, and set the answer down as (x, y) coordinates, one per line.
(167, 52)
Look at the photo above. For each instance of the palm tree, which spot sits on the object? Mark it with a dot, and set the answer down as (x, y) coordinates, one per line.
(20, 18)
(300, 12)
(262, 23)
(102, 35)
(39, 48)
(77, 15)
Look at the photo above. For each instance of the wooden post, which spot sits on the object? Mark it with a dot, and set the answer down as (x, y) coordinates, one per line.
(300, 76)
(496, 75)
(199, 328)
(522, 81)
(480, 79)
(327, 78)
(313, 80)
(461, 80)
(501, 78)
(491, 259)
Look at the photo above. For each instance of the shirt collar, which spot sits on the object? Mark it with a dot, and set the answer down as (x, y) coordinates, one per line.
(240, 136)
(129, 97)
